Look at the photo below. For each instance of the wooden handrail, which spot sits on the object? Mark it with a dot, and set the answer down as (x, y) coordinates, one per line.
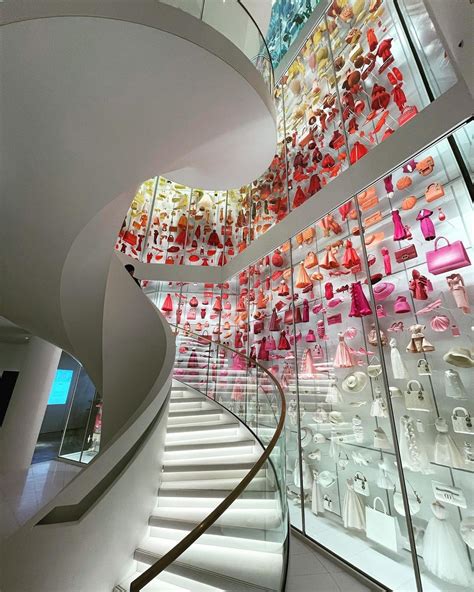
(147, 576)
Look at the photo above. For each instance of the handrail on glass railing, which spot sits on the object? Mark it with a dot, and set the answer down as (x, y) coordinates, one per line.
(265, 384)
(232, 19)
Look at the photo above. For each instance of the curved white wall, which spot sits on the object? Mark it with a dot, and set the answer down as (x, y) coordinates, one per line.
(90, 107)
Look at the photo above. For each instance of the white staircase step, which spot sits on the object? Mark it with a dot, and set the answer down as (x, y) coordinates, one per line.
(211, 445)
(256, 567)
(173, 459)
(243, 517)
(204, 473)
(228, 483)
(198, 499)
(169, 582)
(265, 541)
(224, 424)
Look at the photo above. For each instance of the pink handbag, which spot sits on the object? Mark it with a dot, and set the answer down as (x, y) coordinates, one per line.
(444, 259)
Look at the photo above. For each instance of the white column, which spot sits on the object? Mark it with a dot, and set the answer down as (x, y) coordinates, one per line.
(21, 426)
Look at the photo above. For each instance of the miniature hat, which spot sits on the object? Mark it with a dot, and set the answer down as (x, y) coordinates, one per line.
(382, 290)
(355, 382)
(460, 356)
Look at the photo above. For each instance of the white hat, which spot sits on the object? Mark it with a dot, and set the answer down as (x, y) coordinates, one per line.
(355, 382)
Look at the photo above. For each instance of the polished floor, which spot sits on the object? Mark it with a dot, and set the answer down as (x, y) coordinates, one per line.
(309, 571)
(23, 494)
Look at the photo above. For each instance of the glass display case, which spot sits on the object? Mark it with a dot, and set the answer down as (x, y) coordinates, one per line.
(354, 82)
(365, 318)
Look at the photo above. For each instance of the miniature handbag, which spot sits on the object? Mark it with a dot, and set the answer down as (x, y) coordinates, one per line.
(404, 183)
(425, 167)
(310, 337)
(443, 259)
(462, 421)
(381, 527)
(414, 502)
(405, 254)
(361, 485)
(433, 192)
(191, 314)
(423, 367)
(415, 398)
(327, 503)
(311, 260)
(270, 344)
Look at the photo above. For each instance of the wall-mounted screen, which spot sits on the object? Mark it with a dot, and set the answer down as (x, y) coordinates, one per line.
(60, 388)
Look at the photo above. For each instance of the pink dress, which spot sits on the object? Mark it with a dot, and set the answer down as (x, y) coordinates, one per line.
(343, 357)
(237, 391)
(307, 364)
(399, 230)
(458, 290)
(426, 224)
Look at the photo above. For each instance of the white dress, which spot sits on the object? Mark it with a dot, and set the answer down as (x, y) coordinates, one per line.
(353, 510)
(445, 450)
(444, 553)
(317, 506)
(412, 449)
(399, 370)
(307, 478)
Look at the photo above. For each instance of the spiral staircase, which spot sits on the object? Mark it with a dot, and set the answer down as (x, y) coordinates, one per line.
(96, 97)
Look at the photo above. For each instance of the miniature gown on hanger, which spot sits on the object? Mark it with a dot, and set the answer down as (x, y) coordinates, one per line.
(445, 450)
(399, 370)
(444, 553)
(343, 357)
(418, 342)
(458, 290)
(412, 450)
(307, 364)
(353, 511)
(307, 476)
(317, 506)
(399, 230)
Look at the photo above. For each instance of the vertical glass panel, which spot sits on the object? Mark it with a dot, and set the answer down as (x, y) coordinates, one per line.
(436, 63)
(132, 234)
(465, 140)
(346, 445)
(269, 197)
(315, 142)
(287, 19)
(377, 79)
(81, 436)
(425, 311)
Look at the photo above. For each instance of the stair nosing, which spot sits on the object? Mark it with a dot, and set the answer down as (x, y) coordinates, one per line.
(211, 445)
(211, 467)
(203, 428)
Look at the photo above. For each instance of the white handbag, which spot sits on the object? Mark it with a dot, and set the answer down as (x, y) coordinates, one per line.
(462, 421)
(327, 503)
(381, 527)
(414, 502)
(416, 399)
(423, 367)
(361, 485)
